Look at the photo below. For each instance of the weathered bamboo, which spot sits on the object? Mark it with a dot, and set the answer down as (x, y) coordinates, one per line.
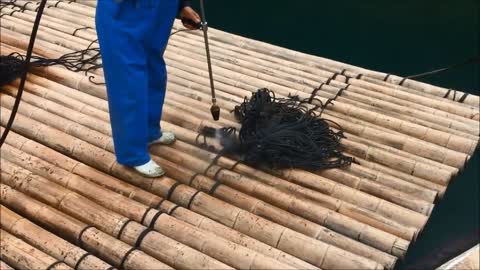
(327, 64)
(195, 123)
(184, 214)
(38, 115)
(288, 79)
(354, 227)
(94, 156)
(210, 244)
(337, 174)
(4, 266)
(312, 73)
(169, 251)
(37, 165)
(132, 230)
(23, 256)
(92, 239)
(47, 242)
(408, 128)
(409, 162)
(58, 13)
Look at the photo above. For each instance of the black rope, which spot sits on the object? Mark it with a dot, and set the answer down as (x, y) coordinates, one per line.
(448, 93)
(471, 60)
(192, 178)
(214, 187)
(121, 266)
(54, 264)
(314, 93)
(123, 228)
(172, 189)
(154, 219)
(80, 235)
(343, 72)
(280, 133)
(159, 204)
(145, 214)
(142, 236)
(192, 198)
(77, 264)
(462, 99)
(173, 209)
(81, 28)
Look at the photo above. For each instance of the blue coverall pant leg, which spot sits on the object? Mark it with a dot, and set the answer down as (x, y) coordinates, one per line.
(133, 35)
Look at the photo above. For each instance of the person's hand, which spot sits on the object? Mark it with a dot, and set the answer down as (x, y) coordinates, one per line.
(186, 14)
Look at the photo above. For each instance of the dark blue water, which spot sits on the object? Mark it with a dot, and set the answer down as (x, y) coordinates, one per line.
(400, 37)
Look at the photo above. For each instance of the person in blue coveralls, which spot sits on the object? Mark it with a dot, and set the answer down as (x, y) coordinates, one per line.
(133, 35)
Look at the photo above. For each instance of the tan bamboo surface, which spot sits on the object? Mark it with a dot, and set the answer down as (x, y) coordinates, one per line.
(149, 199)
(4, 266)
(408, 140)
(48, 242)
(469, 260)
(337, 222)
(93, 240)
(408, 234)
(233, 254)
(23, 256)
(386, 242)
(37, 165)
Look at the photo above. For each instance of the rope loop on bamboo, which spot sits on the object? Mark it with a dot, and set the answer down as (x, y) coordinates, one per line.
(121, 266)
(53, 265)
(81, 28)
(314, 93)
(56, 4)
(77, 264)
(80, 235)
(193, 178)
(159, 204)
(154, 219)
(145, 214)
(464, 96)
(173, 209)
(191, 199)
(142, 236)
(386, 77)
(343, 72)
(172, 189)
(123, 228)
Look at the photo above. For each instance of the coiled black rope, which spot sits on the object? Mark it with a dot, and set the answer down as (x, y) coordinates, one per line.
(282, 133)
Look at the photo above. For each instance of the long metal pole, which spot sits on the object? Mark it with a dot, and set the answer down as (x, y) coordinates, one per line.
(207, 48)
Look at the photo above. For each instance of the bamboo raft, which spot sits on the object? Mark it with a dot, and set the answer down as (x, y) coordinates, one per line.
(66, 203)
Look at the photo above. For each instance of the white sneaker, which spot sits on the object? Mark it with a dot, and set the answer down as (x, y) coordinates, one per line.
(150, 169)
(167, 138)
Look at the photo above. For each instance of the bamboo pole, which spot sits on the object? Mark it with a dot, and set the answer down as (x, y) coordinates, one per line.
(48, 243)
(365, 202)
(184, 214)
(92, 239)
(58, 13)
(327, 64)
(439, 137)
(169, 251)
(23, 256)
(4, 266)
(282, 237)
(320, 216)
(438, 107)
(132, 192)
(61, 124)
(72, 204)
(285, 79)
